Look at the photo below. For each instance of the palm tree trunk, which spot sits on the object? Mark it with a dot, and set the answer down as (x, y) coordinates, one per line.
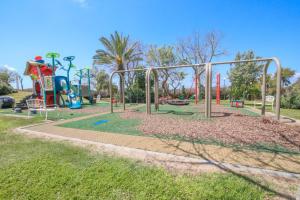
(121, 89)
(121, 83)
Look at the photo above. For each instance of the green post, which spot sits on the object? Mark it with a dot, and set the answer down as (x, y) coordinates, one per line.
(79, 86)
(53, 81)
(53, 55)
(89, 86)
(69, 59)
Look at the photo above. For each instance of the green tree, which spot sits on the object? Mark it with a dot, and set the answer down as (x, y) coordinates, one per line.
(291, 96)
(286, 75)
(245, 76)
(117, 53)
(183, 92)
(102, 82)
(162, 56)
(5, 77)
(296, 85)
(136, 91)
(5, 80)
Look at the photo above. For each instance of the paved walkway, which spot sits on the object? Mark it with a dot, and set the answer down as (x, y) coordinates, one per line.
(196, 156)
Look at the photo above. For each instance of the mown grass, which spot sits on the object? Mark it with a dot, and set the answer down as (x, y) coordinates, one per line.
(293, 113)
(18, 95)
(35, 169)
(259, 147)
(52, 115)
(62, 114)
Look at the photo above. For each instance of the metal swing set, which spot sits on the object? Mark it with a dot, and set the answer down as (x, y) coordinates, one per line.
(208, 83)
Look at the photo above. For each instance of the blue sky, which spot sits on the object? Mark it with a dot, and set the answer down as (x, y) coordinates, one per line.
(73, 27)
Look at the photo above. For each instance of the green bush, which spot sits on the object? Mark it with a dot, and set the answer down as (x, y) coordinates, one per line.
(291, 101)
(296, 102)
(5, 88)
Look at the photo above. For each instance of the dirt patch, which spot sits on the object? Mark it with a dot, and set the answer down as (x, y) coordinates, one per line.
(228, 126)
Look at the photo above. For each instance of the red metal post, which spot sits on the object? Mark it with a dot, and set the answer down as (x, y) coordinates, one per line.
(218, 89)
(196, 90)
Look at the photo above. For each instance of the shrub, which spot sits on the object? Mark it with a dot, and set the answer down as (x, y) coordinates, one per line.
(291, 101)
(5, 88)
(296, 102)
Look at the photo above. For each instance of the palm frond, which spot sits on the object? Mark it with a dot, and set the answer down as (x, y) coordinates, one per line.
(108, 45)
(117, 51)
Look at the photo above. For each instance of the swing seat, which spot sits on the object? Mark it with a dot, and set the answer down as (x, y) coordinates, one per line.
(113, 100)
(178, 102)
(237, 103)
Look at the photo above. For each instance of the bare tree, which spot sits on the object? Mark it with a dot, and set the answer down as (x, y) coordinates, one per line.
(162, 56)
(21, 82)
(176, 79)
(197, 49)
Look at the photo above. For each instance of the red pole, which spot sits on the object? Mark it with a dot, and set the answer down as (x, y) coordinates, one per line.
(198, 88)
(196, 91)
(218, 89)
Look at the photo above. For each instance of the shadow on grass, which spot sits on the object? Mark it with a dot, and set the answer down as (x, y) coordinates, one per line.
(200, 150)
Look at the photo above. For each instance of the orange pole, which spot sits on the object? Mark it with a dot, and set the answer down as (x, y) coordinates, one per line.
(218, 89)
(196, 90)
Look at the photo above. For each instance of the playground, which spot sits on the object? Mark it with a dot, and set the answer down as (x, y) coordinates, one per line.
(231, 127)
(175, 133)
(228, 123)
(189, 130)
(150, 100)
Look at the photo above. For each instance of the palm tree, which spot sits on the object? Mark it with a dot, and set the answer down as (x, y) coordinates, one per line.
(117, 53)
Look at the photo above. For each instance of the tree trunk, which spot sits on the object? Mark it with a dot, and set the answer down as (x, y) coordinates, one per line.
(121, 87)
(165, 87)
(21, 82)
(17, 82)
(199, 83)
(196, 85)
(122, 78)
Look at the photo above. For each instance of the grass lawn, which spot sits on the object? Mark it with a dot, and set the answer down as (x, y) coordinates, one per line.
(35, 169)
(62, 114)
(19, 95)
(293, 113)
(53, 115)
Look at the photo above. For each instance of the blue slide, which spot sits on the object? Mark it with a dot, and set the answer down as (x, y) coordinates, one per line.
(74, 101)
